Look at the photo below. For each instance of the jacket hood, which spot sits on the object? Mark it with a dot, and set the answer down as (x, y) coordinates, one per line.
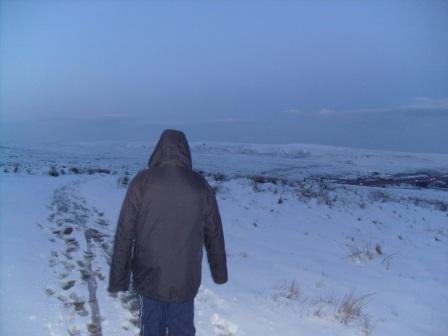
(172, 149)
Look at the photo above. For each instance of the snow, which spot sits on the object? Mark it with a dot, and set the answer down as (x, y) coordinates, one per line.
(24, 251)
(298, 248)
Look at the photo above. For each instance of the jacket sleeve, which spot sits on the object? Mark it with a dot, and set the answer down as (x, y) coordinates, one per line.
(120, 270)
(214, 239)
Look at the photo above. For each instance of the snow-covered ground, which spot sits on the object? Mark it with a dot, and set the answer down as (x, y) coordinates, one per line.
(308, 254)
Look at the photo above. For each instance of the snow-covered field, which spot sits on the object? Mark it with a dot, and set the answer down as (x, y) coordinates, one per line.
(315, 245)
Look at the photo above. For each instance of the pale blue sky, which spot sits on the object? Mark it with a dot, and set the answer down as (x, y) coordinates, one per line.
(370, 74)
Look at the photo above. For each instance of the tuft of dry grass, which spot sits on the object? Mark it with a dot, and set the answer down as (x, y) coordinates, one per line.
(363, 251)
(293, 292)
(350, 308)
(287, 291)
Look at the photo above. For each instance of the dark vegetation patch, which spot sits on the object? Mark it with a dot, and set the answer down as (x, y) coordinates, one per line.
(419, 179)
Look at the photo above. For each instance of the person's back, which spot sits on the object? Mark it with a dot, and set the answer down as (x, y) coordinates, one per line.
(169, 213)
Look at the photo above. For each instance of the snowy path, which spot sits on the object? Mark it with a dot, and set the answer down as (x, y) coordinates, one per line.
(79, 241)
(100, 194)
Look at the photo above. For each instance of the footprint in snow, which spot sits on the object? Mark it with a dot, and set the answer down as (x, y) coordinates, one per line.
(223, 327)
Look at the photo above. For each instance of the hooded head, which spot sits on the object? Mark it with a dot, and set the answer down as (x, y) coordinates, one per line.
(172, 149)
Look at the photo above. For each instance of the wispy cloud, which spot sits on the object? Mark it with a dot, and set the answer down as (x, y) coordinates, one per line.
(413, 105)
(323, 111)
(427, 103)
(326, 112)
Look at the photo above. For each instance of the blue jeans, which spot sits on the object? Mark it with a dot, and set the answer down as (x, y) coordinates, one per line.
(161, 318)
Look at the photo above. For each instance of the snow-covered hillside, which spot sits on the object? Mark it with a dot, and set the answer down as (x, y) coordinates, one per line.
(320, 240)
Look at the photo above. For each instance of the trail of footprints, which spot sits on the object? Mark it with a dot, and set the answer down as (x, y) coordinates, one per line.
(83, 241)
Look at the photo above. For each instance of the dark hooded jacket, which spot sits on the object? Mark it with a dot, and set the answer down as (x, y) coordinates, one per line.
(168, 215)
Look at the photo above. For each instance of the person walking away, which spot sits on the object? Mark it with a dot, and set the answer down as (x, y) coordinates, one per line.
(169, 213)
